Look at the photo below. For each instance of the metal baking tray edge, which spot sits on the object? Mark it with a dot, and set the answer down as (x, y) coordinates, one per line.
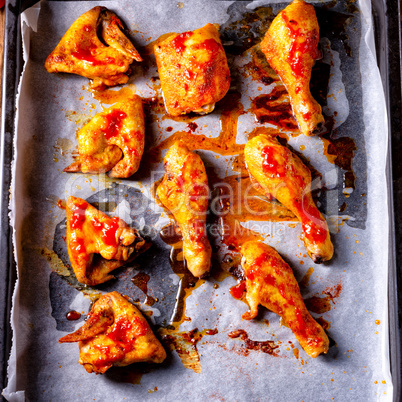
(387, 25)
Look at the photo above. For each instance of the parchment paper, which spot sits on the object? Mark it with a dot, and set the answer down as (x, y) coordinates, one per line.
(52, 107)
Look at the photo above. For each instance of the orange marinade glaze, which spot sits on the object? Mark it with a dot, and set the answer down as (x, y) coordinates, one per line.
(122, 334)
(314, 226)
(271, 283)
(300, 48)
(77, 244)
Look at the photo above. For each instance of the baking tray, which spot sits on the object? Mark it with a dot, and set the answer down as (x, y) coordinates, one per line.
(387, 23)
(386, 15)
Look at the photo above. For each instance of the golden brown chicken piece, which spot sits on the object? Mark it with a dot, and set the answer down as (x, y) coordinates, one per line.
(82, 52)
(290, 46)
(115, 334)
(193, 70)
(91, 232)
(113, 140)
(184, 192)
(271, 283)
(277, 172)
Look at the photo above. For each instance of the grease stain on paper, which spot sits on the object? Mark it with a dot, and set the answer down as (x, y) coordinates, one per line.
(185, 344)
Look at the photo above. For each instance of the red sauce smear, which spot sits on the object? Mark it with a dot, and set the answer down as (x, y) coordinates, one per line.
(284, 169)
(210, 45)
(254, 271)
(254, 268)
(107, 229)
(114, 121)
(308, 45)
(195, 174)
(281, 289)
(121, 332)
(313, 225)
(87, 54)
(78, 215)
(238, 290)
(178, 41)
(269, 164)
(300, 321)
(104, 361)
(125, 332)
(316, 232)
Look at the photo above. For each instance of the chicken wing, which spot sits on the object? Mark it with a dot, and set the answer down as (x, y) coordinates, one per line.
(193, 70)
(82, 52)
(91, 232)
(115, 334)
(277, 172)
(113, 140)
(290, 46)
(271, 283)
(184, 191)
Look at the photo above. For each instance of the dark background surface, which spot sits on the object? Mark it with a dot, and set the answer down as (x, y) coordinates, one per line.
(387, 19)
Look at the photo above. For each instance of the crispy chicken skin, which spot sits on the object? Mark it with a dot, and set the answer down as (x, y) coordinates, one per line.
(115, 334)
(193, 70)
(271, 283)
(277, 172)
(81, 51)
(184, 192)
(290, 46)
(91, 232)
(112, 141)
